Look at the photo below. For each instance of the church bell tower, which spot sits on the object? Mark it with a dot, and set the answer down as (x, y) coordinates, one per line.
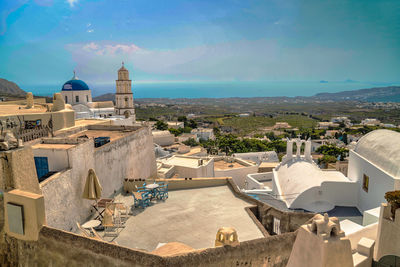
(124, 97)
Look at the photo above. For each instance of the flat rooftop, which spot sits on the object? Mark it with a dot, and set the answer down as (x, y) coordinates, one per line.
(191, 216)
(85, 122)
(268, 164)
(14, 109)
(114, 135)
(223, 165)
(185, 162)
(53, 146)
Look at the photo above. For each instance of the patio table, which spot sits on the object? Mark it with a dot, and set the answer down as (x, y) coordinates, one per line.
(91, 224)
(152, 188)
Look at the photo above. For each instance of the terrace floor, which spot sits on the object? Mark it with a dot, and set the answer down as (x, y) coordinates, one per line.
(191, 216)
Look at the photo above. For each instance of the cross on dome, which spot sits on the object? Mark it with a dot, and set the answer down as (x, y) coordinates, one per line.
(74, 78)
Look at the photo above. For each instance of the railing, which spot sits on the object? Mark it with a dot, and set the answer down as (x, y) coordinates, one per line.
(31, 134)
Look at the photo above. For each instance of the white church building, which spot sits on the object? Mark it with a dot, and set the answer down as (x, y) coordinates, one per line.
(301, 184)
(375, 165)
(124, 97)
(374, 169)
(77, 93)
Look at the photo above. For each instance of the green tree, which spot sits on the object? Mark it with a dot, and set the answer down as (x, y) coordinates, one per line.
(190, 142)
(332, 150)
(182, 118)
(160, 125)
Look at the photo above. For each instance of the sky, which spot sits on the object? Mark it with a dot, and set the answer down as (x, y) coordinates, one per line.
(43, 41)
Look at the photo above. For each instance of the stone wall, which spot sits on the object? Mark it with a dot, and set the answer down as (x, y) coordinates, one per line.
(61, 119)
(178, 183)
(289, 221)
(60, 248)
(130, 156)
(18, 171)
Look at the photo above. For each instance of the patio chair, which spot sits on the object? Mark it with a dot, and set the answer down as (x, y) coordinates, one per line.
(162, 192)
(84, 232)
(110, 229)
(123, 209)
(119, 213)
(142, 199)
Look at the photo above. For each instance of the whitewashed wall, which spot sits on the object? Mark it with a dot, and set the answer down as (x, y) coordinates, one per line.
(238, 174)
(380, 182)
(336, 193)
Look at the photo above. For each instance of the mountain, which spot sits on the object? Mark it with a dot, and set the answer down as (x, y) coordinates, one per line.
(105, 97)
(377, 94)
(10, 89)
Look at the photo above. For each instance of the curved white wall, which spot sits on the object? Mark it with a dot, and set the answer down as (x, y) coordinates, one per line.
(380, 182)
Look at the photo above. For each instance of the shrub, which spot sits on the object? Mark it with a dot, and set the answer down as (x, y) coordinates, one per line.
(393, 197)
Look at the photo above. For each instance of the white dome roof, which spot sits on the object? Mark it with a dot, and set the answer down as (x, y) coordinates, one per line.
(296, 177)
(382, 148)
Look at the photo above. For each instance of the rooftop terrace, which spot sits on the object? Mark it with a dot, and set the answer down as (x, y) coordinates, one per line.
(224, 165)
(14, 109)
(114, 135)
(191, 216)
(185, 161)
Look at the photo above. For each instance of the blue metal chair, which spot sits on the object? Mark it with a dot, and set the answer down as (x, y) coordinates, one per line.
(162, 192)
(142, 199)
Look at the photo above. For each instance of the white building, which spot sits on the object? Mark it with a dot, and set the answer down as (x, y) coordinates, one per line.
(76, 91)
(301, 184)
(124, 97)
(78, 94)
(204, 133)
(370, 122)
(375, 165)
(175, 124)
(258, 157)
(327, 124)
(185, 167)
(163, 138)
(373, 170)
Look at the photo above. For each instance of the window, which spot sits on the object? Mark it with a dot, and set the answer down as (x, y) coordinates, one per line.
(66, 99)
(77, 98)
(365, 184)
(221, 237)
(87, 98)
(277, 226)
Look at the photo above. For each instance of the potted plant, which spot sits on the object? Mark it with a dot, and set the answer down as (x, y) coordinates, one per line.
(393, 198)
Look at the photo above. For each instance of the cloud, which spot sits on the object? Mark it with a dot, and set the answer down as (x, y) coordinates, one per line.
(241, 60)
(90, 30)
(72, 2)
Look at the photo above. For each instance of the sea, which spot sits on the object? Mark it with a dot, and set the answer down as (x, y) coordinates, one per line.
(218, 89)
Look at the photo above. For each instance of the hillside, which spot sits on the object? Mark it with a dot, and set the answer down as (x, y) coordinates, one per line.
(105, 97)
(8, 88)
(377, 94)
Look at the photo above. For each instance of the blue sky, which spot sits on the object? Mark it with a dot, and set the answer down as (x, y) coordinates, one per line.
(42, 41)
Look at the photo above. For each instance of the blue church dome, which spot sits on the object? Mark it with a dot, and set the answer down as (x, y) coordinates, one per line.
(75, 85)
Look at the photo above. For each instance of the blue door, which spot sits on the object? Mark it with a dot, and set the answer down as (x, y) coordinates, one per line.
(42, 166)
